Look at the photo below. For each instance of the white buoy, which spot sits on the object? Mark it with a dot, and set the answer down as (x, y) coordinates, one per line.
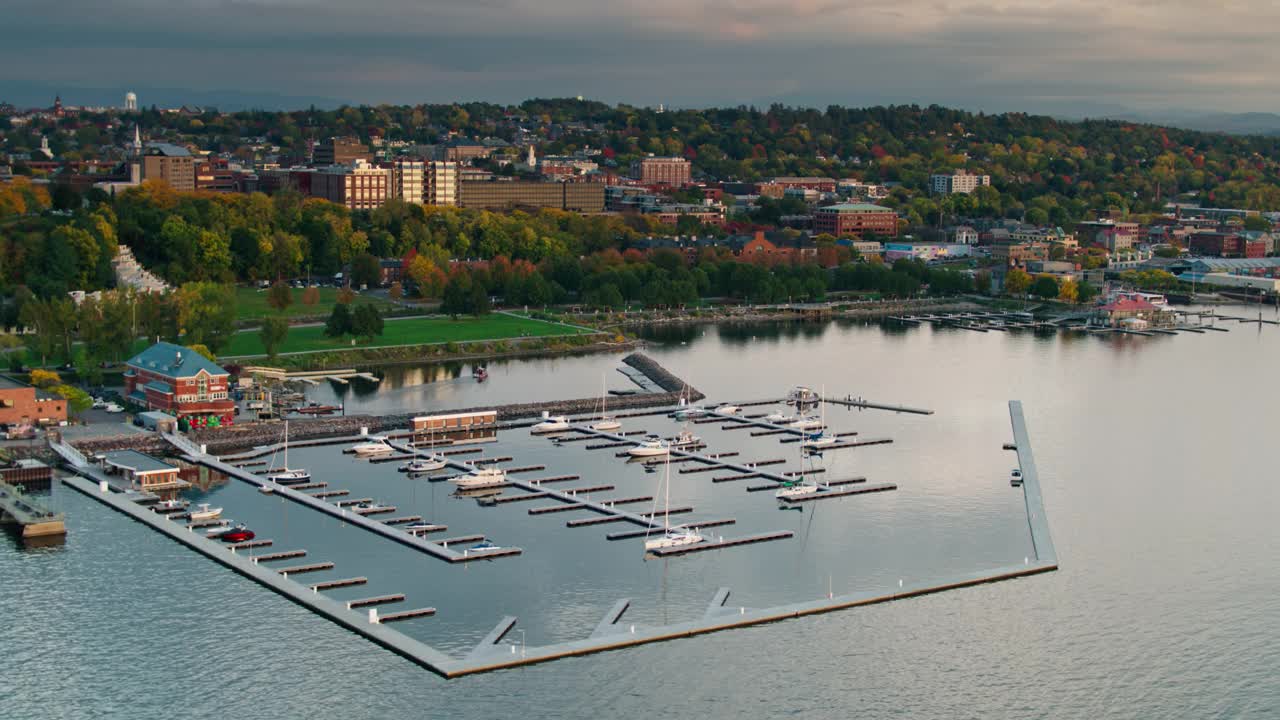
(103, 487)
(899, 582)
(373, 616)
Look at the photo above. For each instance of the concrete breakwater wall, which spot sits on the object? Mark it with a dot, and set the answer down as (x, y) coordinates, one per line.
(236, 437)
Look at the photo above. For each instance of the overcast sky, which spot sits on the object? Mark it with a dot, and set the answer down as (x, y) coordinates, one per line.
(1062, 56)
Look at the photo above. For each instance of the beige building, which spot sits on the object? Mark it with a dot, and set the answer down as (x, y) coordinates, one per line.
(502, 195)
(441, 183)
(408, 180)
(359, 186)
(170, 163)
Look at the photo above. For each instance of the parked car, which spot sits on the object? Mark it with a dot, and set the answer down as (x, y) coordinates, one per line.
(113, 408)
(99, 403)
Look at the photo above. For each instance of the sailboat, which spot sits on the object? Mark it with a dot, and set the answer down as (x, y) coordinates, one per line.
(671, 536)
(285, 476)
(434, 461)
(797, 487)
(606, 422)
(819, 440)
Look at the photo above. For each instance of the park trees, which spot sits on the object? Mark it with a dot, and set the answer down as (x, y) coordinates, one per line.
(273, 333)
(1016, 282)
(280, 296)
(339, 322)
(206, 313)
(1045, 286)
(366, 322)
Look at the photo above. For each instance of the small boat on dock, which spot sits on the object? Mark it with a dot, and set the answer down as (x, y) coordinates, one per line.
(173, 504)
(796, 488)
(686, 439)
(805, 423)
(671, 536)
(284, 475)
(1015, 478)
(431, 463)
(651, 446)
(204, 512)
(551, 424)
(239, 533)
(606, 423)
(728, 410)
(376, 445)
(480, 477)
(217, 530)
(484, 547)
(480, 373)
(317, 410)
(780, 418)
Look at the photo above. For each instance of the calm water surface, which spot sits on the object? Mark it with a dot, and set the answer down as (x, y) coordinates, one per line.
(1154, 455)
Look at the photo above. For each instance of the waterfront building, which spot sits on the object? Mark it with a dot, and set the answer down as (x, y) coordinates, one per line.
(960, 181)
(1131, 313)
(142, 471)
(856, 219)
(181, 382)
(22, 404)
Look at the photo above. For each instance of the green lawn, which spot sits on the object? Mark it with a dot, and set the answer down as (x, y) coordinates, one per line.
(410, 331)
(251, 304)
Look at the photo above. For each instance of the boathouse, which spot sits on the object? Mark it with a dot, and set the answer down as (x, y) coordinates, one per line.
(141, 471)
(181, 382)
(1132, 314)
(455, 421)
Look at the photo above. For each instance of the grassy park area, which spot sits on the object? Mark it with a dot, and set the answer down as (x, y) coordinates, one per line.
(408, 331)
(251, 304)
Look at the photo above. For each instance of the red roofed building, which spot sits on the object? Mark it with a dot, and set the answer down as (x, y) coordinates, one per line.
(1131, 314)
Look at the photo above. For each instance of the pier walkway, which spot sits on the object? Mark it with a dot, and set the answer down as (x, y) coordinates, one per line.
(36, 520)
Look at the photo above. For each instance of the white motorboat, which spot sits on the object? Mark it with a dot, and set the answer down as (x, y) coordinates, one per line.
(285, 476)
(819, 441)
(480, 477)
(551, 424)
(651, 446)
(691, 412)
(484, 547)
(172, 505)
(218, 529)
(686, 439)
(204, 512)
(365, 508)
(728, 410)
(671, 536)
(376, 445)
(421, 527)
(801, 395)
(780, 418)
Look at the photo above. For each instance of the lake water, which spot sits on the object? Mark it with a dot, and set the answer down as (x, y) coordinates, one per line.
(1159, 485)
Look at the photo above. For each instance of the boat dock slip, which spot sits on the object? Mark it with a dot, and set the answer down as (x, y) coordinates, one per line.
(250, 544)
(335, 584)
(705, 468)
(287, 554)
(427, 530)
(371, 601)
(330, 493)
(830, 494)
(406, 615)
(719, 544)
(1041, 541)
(375, 510)
(855, 443)
(503, 499)
(557, 478)
(349, 503)
(587, 490)
(731, 478)
(633, 534)
(671, 511)
(311, 486)
(866, 405)
(402, 519)
(598, 520)
(556, 508)
(461, 539)
(525, 469)
(313, 567)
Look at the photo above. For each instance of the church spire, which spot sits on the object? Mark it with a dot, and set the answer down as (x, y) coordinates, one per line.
(137, 140)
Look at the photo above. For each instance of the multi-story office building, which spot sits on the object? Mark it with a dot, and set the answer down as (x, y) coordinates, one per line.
(856, 219)
(673, 171)
(960, 181)
(340, 151)
(499, 195)
(359, 186)
(441, 183)
(170, 163)
(408, 180)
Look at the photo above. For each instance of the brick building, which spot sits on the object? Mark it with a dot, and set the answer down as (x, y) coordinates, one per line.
(855, 219)
(500, 195)
(182, 382)
(340, 151)
(21, 404)
(673, 171)
(1226, 245)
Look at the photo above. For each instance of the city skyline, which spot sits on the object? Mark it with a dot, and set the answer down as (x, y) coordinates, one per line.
(1088, 58)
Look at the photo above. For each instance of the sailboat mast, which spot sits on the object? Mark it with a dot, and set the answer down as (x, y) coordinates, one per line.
(666, 510)
(286, 444)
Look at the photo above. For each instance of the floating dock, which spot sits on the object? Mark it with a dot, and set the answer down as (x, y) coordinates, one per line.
(706, 545)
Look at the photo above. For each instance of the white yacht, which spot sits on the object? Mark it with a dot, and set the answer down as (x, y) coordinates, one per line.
(285, 476)
(671, 536)
(780, 418)
(651, 446)
(376, 445)
(728, 409)
(818, 441)
(427, 464)
(550, 424)
(802, 395)
(796, 488)
(204, 512)
(686, 439)
(480, 477)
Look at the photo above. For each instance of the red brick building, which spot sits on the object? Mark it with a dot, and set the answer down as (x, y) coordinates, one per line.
(181, 382)
(21, 404)
(856, 219)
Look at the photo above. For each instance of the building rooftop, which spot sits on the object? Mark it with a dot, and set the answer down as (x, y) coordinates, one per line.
(8, 383)
(174, 361)
(167, 149)
(856, 207)
(136, 461)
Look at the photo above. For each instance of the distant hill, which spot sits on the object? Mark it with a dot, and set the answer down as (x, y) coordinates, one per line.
(23, 94)
(1247, 123)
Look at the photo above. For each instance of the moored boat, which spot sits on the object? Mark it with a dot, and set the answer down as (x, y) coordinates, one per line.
(376, 445)
(651, 446)
(204, 512)
(550, 424)
(480, 477)
(239, 533)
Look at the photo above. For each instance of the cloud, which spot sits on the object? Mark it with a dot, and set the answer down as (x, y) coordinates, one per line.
(994, 54)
